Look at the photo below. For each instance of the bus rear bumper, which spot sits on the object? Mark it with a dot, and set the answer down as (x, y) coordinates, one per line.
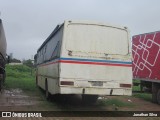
(96, 91)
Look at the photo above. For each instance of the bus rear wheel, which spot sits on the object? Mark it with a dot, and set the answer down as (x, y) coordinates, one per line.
(36, 80)
(89, 99)
(47, 94)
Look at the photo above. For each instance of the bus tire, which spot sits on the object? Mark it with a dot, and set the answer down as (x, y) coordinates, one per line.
(89, 99)
(158, 97)
(36, 80)
(47, 94)
(4, 77)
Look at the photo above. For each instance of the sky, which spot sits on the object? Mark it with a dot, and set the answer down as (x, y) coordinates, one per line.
(27, 23)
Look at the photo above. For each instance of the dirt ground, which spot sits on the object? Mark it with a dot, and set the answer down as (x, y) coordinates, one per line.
(17, 100)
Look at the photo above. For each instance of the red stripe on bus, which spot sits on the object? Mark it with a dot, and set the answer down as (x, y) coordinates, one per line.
(95, 63)
(91, 63)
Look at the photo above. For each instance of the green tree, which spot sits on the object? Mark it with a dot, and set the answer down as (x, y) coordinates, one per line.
(14, 60)
(28, 63)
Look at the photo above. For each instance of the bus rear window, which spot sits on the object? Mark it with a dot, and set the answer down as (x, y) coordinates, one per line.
(97, 39)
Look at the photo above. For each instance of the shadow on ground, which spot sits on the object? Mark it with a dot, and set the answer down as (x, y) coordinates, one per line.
(73, 103)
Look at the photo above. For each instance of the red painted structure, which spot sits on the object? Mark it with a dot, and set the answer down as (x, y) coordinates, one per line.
(146, 62)
(146, 56)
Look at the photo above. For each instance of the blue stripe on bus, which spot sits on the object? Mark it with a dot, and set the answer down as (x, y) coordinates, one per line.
(93, 60)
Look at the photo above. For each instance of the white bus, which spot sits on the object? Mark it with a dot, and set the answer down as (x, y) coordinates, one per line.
(86, 58)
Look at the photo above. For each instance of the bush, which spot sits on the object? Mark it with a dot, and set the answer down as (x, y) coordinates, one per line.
(20, 76)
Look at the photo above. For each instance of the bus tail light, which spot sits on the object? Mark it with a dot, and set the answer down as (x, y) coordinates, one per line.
(66, 83)
(126, 85)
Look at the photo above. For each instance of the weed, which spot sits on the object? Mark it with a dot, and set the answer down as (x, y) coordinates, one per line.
(136, 88)
(19, 76)
(144, 96)
(116, 102)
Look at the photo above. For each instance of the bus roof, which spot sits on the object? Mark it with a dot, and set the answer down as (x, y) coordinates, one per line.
(50, 36)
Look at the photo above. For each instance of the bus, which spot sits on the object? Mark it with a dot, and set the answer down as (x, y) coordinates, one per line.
(3, 46)
(85, 58)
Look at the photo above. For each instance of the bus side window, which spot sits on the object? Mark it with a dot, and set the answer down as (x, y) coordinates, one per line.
(56, 52)
(44, 53)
